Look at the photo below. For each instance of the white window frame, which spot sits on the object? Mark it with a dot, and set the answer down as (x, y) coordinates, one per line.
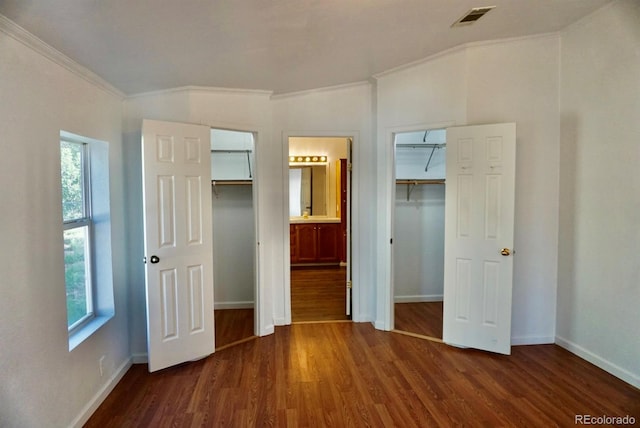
(97, 219)
(81, 222)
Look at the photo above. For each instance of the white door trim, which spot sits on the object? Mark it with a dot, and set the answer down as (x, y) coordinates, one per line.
(384, 319)
(263, 314)
(352, 233)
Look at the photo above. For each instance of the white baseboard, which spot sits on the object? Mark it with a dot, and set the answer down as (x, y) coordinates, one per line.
(380, 325)
(140, 358)
(603, 363)
(270, 329)
(279, 321)
(97, 399)
(419, 298)
(355, 317)
(233, 305)
(532, 340)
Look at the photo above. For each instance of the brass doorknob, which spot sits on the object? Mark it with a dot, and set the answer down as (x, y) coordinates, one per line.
(505, 251)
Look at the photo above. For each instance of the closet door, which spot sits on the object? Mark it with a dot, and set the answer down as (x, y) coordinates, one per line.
(479, 230)
(178, 242)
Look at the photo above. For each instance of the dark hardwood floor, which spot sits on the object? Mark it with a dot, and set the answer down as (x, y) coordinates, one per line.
(318, 293)
(349, 374)
(423, 318)
(232, 325)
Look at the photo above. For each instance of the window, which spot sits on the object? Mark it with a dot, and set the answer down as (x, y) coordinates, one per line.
(78, 228)
(86, 230)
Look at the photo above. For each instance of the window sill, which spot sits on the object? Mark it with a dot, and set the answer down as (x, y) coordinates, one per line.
(87, 330)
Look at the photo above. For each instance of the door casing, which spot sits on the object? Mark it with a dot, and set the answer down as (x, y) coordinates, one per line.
(385, 290)
(385, 318)
(352, 234)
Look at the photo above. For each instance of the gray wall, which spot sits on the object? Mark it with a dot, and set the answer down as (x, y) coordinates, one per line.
(506, 81)
(41, 381)
(575, 97)
(418, 249)
(233, 246)
(598, 264)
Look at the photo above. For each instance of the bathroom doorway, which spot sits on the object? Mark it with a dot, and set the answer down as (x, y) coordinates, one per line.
(319, 219)
(418, 224)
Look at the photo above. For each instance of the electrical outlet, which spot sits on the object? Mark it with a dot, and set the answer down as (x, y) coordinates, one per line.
(101, 365)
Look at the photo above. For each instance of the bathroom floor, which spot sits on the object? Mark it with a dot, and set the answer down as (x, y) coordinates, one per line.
(318, 293)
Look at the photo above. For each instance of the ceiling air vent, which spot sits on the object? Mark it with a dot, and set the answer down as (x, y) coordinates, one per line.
(472, 16)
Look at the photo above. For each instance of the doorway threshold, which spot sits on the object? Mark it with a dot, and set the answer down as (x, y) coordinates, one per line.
(237, 342)
(419, 336)
(320, 322)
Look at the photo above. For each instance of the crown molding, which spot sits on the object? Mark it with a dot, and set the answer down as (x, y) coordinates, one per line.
(36, 44)
(209, 89)
(320, 90)
(237, 91)
(461, 48)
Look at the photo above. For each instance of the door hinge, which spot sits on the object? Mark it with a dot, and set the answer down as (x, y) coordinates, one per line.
(349, 166)
(349, 285)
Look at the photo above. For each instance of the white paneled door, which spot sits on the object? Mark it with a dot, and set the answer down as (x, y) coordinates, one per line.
(178, 242)
(479, 229)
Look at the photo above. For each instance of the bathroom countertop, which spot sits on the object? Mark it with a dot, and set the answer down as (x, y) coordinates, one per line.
(314, 219)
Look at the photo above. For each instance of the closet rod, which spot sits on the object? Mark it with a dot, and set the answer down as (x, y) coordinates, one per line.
(422, 146)
(215, 183)
(231, 182)
(415, 182)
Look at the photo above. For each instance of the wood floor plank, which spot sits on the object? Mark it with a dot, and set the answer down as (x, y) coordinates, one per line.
(349, 374)
(318, 293)
(423, 318)
(232, 325)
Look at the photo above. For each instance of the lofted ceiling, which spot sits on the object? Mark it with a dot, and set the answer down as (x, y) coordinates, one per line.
(276, 45)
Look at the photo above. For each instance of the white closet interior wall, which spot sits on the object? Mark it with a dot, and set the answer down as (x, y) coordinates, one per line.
(233, 219)
(418, 243)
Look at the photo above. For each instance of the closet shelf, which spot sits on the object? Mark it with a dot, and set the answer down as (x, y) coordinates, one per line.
(422, 145)
(423, 181)
(231, 182)
(411, 184)
(215, 183)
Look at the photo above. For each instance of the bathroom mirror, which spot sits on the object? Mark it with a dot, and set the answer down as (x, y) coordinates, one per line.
(307, 190)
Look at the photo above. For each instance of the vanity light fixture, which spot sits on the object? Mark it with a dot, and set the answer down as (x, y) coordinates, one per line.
(307, 159)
